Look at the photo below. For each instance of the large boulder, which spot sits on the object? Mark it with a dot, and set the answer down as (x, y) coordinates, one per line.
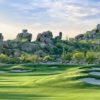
(1, 37)
(29, 47)
(17, 53)
(40, 53)
(24, 36)
(58, 38)
(98, 27)
(45, 37)
(46, 42)
(79, 37)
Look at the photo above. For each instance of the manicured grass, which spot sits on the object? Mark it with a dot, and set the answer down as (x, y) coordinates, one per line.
(56, 82)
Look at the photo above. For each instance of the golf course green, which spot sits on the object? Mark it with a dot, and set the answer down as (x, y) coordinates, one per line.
(47, 82)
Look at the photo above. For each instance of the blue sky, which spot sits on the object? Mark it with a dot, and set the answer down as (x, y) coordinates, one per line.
(72, 17)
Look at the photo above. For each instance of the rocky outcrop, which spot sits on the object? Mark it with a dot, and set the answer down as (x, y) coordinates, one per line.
(44, 44)
(24, 36)
(89, 34)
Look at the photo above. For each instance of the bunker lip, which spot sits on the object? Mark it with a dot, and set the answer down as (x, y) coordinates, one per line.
(92, 81)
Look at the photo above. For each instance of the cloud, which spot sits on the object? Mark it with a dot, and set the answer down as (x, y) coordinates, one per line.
(59, 9)
(73, 16)
(2, 1)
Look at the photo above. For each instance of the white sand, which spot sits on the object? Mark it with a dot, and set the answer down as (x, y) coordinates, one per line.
(54, 67)
(1, 71)
(93, 68)
(91, 81)
(95, 73)
(20, 71)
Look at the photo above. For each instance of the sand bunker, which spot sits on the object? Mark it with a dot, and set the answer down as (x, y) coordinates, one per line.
(91, 81)
(95, 68)
(54, 67)
(95, 73)
(20, 71)
(2, 71)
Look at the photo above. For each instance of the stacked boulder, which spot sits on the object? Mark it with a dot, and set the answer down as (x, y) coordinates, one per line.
(46, 41)
(45, 37)
(24, 36)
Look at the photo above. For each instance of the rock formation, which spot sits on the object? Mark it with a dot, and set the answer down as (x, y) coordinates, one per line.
(46, 41)
(43, 45)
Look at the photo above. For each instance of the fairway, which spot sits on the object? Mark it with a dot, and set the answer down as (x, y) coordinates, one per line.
(47, 82)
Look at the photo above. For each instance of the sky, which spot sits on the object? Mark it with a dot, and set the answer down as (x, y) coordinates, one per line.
(71, 17)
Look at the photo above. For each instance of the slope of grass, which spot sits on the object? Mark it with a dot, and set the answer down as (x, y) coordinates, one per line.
(60, 82)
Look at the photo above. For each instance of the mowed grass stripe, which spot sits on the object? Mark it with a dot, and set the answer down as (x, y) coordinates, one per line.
(61, 83)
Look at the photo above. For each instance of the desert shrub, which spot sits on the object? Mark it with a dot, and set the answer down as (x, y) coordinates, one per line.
(29, 58)
(90, 57)
(4, 58)
(66, 56)
(14, 60)
(78, 56)
(48, 58)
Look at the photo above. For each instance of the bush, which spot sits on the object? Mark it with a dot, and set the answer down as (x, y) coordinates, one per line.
(14, 60)
(66, 57)
(78, 56)
(90, 57)
(48, 58)
(4, 58)
(29, 58)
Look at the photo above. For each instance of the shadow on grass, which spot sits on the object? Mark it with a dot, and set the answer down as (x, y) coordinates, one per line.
(12, 95)
(29, 74)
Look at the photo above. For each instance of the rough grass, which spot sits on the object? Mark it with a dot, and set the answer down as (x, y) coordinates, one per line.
(60, 82)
